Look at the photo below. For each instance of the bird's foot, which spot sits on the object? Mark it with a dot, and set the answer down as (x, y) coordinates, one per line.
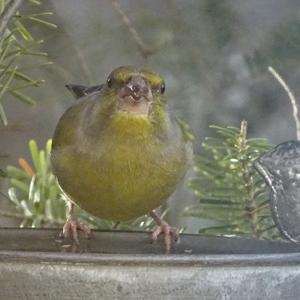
(71, 228)
(171, 234)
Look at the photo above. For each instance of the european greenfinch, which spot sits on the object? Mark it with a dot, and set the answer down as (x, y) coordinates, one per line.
(116, 152)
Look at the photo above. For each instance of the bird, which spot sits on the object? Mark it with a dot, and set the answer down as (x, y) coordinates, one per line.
(118, 154)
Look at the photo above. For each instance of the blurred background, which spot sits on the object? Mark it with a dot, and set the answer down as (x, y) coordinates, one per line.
(214, 56)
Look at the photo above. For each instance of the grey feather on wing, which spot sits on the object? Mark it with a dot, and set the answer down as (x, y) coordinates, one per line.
(79, 91)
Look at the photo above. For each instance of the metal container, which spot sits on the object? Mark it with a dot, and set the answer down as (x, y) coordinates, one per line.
(36, 264)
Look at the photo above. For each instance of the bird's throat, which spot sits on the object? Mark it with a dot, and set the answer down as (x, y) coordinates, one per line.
(131, 125)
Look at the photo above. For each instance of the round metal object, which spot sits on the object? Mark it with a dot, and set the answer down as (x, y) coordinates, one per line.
(280, 167)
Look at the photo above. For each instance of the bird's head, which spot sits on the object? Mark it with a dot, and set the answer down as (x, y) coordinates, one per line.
(135, 91)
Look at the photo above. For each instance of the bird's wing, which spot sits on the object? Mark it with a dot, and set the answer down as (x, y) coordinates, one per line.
(80, 91)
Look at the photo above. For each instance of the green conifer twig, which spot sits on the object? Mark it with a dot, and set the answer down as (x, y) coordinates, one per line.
(8, 12)
(229, 190)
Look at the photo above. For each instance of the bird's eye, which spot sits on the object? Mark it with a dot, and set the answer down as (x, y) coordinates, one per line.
(162, 88)
(109, 82)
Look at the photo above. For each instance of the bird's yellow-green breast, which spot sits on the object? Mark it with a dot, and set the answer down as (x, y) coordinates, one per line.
(116, 164)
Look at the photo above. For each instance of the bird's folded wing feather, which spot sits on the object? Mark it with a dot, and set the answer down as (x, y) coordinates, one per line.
(80, 91)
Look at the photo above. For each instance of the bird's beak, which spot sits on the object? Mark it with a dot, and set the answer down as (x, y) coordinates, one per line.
(135, 96)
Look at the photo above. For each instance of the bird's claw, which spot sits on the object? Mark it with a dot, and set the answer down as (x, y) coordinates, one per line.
(171, 235)
(71, 228)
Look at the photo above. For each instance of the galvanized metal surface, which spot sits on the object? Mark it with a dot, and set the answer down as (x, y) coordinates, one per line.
(35, 264)
(280, 167)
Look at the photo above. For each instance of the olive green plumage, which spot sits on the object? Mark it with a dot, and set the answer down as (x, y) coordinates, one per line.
(116, 164)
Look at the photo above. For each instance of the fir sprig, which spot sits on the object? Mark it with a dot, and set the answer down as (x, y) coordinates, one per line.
(17, 45)
(229, 190)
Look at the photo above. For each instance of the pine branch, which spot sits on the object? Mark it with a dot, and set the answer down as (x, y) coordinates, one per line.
(250, 204)
(16, 44)
(9, 12)
(229, 190)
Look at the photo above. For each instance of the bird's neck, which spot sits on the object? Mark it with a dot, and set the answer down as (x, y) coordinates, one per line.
(129, 125)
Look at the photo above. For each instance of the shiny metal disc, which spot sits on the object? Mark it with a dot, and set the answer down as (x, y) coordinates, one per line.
(280, 167)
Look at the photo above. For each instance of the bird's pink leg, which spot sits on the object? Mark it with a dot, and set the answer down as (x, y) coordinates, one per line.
(71, 227)
(171, 234)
